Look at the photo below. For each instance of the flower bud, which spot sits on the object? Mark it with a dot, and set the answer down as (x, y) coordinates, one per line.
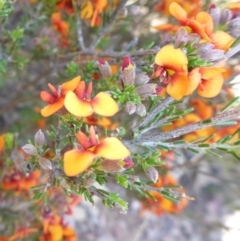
(130, 107)
(104, 68)
(146, 90)
(141, 110)
(110, 166)
(30, 149)
(141, 79)
(152, 174)
(226, 16)
(88, 181)
(128, 71)
(215, 13)
(45, 164)
(128, 163)
(39, 138)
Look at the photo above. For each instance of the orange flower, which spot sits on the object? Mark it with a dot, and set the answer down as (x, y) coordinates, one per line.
(61, 26)
(191, 7)
(208, 80)
(56, 230)
(203, 26)
(104, 122)
(19, 182)
(80, 104)
(162, 204)
(65, 5)
(2, 142)
(56, 99)
(77, 161)
(92, 10)
(173, 68)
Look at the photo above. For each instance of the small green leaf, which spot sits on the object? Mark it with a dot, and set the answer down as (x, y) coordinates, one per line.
(203, 145)
(213, 153)
(208, 121)
(236, 42)
(163, 147)
(192, 150)
(37, 197)
(231, 103)
(226, 123)
(9, 140)
(45, 199)
(168, 196)
(225, 139)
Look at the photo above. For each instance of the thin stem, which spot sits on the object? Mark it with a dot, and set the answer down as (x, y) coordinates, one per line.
(114, 54)
(79, 25)
(163, 136)
(108, 24)
(228, 115)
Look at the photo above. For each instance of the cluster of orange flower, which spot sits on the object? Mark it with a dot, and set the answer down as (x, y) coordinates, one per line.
(199, 47)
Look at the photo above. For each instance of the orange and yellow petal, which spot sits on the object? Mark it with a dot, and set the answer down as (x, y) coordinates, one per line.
(77, 161)
(198, 28)
(45, 96)
(83, 140)
(194, 78)
(104, 105)
(222, 40)
(87, 10)
(178, 86)
(56, 232)
(211, 87)
(167, 27)
(171, 58)
(206, 20)
(76, 106)
(70, 85)
(52, 108)
(178, 12)
(112, 148)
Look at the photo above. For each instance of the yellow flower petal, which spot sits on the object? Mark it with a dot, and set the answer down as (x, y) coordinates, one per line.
(76, 106)
(178, 12)
(87, 10)
(70, 85)
(206, 20)
(56, 232)
(177, 86)
(104, 105)
(171, 58)
(194, 78)
(52, 108)
(211, 87)
(111, 148)
(77, 161)
(222, 40)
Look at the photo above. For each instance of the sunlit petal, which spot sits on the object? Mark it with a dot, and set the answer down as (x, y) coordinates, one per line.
(70, 85)
(222, 40)
(52, 108)
(211, 87)
(111, 148)
(194, 78)
(178, 86)
(206, 20)
(104, 105)
(170, 58)
(45, 96)
(76, 162)
(76, 106)
(83, 140)
(178, 12)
